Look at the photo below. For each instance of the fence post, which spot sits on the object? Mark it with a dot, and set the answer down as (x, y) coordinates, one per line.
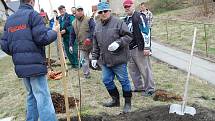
(206, 40)
(167, 33)
(181, 31)
(206, 11)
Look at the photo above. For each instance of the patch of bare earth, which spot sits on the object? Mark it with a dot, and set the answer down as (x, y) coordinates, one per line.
(158, 113)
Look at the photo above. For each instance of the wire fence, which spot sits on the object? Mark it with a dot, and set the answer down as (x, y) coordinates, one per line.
(179, 33)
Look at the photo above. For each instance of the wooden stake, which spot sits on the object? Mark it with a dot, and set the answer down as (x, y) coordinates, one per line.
(64, 72)
(49, 57)
(49, 47)
(206, 11)
(63, 67)
(39, 4)
(79, 78)
(206, 40)
(167, 33)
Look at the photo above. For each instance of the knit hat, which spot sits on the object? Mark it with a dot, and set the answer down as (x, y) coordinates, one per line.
(103, 6)
(128, 2)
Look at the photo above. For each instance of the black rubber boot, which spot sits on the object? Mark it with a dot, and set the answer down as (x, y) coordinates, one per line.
(115, 102)
(127, 106)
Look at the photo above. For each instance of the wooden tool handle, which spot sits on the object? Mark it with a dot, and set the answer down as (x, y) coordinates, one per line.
(189, 71)
(64, 71)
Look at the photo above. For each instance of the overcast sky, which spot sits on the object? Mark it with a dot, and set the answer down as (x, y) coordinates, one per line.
(87, 4)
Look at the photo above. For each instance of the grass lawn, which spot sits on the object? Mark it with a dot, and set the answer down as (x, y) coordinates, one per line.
(12, 92)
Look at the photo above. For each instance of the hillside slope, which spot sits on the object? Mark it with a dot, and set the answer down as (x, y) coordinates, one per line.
(190, 14)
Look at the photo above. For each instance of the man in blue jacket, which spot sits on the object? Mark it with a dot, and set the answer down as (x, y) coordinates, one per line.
(25, 37)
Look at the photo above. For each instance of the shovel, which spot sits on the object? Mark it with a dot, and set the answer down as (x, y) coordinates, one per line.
(183, 109)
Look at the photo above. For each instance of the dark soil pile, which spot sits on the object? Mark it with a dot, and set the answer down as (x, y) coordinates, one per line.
(160, 113)
(59, 102)
(163, 95)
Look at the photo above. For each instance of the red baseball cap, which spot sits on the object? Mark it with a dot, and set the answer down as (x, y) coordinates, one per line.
(128, 2)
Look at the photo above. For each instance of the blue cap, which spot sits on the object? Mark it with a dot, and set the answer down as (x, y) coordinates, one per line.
(103, 6)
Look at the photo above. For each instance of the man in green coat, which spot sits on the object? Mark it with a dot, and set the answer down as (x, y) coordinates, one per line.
(65, 21)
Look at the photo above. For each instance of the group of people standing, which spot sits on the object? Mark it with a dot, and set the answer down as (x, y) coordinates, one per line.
(113, 43)
(77, 32)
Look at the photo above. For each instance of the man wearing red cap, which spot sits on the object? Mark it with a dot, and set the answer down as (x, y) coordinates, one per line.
(44, 15)
(139, 63)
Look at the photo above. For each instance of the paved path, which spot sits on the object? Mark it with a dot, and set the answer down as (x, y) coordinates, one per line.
(200, 68)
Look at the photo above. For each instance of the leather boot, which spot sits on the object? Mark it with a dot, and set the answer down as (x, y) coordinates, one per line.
(115, 102)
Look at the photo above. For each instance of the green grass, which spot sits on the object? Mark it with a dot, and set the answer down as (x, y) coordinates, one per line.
(12, 91)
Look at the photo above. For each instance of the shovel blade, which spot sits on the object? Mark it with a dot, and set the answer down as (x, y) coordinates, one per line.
(176, 108)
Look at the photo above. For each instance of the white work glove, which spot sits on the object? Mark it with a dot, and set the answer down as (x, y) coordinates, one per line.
(113, 46)
(93, 63)
(71, 49)
(63, 31)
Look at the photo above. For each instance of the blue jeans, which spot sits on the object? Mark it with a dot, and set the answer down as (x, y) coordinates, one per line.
(39, 102)
(120, 71)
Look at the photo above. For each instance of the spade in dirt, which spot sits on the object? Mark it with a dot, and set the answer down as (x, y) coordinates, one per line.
(182, 109)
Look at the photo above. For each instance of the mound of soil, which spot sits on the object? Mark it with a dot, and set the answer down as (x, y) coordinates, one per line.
(59, 102)
(163, 95)
(160, 113)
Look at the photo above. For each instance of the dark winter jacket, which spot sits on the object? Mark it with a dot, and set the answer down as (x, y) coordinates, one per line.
(25, 37)
(137, 24)
(114, 30)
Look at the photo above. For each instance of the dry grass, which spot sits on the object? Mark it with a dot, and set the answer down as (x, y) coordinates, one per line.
(12, 94)
(180, 33)
(194, 13)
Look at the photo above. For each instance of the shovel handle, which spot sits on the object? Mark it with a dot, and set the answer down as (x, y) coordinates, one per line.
(189, 71)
